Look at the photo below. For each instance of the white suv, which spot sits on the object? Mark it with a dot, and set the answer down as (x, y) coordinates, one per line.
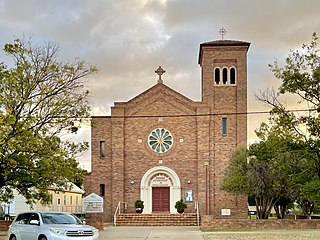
(50, 226)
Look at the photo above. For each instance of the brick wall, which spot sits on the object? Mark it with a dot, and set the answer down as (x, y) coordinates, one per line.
(4, 225)
(101, 168)
(210, 223)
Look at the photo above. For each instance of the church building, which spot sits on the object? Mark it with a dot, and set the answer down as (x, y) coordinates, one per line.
(161, 146)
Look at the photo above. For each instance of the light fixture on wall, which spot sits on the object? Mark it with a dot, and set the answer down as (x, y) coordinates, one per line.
(188, 181)
(132, 182)
(206, 162)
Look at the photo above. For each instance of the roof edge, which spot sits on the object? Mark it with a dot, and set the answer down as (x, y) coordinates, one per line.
(221, 43)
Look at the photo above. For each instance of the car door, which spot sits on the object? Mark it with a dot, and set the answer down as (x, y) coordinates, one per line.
(21, 226)
(33, 229)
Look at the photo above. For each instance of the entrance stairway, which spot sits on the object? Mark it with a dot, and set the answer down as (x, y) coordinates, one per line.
(157, 219)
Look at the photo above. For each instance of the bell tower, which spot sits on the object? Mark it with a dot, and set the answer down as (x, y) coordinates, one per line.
(224, 92)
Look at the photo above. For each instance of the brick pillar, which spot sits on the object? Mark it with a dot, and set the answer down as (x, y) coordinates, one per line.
(95, 220)
(203, 154)
(117, 157)
(4, 225)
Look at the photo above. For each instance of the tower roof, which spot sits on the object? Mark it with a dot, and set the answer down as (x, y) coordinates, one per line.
(225, 43)
(222, 43)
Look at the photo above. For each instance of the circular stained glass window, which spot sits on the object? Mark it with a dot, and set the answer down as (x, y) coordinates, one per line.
(160, 140)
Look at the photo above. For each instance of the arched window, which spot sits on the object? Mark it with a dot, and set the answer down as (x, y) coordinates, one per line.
(232, 75)
(224, 75)
(217, 75)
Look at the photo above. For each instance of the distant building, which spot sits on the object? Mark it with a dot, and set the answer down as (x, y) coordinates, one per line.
(69, 200)
(161, 146)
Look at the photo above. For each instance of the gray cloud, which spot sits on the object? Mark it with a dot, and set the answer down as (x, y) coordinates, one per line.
(129, 39)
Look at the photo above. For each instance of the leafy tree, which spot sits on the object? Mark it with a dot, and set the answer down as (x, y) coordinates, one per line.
(40, 97)
(262, 172)
(236, 177)
(300, 77)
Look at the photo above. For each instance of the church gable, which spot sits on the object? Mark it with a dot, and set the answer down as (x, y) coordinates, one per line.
(159, 100)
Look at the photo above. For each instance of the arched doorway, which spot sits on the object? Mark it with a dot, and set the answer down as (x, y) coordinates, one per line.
(160, 189)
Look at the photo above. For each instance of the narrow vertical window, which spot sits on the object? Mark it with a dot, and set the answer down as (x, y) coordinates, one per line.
(77, 200)
(232, 76)
(102, 151)
(102, 190)
(64, 200)
(224, 126)
(70, 200)
(225, 75)
(217, 75)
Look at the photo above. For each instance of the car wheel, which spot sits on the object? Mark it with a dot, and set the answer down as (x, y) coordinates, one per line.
(13, 238)
(43, 238)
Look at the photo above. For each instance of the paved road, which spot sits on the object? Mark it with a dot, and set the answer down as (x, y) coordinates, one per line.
(188, 233)
(148, 233)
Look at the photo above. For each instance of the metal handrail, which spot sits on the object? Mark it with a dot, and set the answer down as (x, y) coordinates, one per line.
(118, 211)
(196, 206)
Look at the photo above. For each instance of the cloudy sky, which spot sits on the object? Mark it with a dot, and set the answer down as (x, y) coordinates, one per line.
(129, 39)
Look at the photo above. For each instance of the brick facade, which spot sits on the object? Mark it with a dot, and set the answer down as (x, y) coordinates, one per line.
(196, 128)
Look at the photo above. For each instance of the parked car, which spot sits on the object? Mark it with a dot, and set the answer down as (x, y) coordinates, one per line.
(50, 226)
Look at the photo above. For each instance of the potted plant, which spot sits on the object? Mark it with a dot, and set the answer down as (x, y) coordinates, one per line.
(139, 206)
(180, 206)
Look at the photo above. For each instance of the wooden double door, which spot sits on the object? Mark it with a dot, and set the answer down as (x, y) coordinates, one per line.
(161, 199)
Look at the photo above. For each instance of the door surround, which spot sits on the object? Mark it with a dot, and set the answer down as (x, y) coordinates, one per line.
(171, 180)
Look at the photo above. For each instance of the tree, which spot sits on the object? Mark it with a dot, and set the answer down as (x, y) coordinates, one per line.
(263, 171)
(40, 97)
(249, 175)
(300, 77)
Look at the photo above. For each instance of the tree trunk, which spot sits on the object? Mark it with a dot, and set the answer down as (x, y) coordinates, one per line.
(284, 211)
(280, 210)
(264, 207)
(307, 208)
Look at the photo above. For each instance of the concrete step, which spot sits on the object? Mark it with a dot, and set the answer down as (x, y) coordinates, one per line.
(166, 219)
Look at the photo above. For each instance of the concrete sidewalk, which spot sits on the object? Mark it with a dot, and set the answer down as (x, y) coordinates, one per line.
(144, 233)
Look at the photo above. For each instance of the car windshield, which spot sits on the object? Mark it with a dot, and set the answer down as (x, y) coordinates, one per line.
(59, 218)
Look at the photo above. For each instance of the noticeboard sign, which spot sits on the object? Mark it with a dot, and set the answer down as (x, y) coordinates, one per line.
(93, 203)
(189, 196)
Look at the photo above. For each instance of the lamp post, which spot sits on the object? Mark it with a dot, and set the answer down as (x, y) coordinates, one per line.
(206, 164)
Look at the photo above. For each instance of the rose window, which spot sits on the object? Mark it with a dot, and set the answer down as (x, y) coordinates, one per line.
(160, 140)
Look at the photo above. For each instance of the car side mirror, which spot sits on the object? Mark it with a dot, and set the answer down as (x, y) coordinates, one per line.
(35, 222)
(84, 222)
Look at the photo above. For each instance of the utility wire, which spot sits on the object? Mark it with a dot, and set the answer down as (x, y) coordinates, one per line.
(203, 115)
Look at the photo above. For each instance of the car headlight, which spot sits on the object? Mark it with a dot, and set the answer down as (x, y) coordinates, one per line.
(57, 231)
